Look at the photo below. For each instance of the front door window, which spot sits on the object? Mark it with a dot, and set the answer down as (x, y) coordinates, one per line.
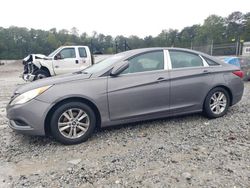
(150, 61)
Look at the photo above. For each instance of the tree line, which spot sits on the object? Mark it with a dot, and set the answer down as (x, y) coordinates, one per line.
(18, 42)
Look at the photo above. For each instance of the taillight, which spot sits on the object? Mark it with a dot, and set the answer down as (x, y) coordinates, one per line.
(239, 73)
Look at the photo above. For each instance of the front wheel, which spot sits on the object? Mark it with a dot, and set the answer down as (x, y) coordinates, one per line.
(40, 74)
(73, 123)
(216, 103)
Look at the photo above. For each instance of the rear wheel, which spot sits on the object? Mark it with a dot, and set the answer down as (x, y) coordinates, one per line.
(216, 103)
(73, 123)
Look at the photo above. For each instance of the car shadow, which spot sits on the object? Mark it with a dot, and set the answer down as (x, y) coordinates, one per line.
(50, 141)
(152, 122)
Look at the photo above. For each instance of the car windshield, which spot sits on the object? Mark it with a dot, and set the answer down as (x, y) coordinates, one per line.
(104, 64)
(52, 54)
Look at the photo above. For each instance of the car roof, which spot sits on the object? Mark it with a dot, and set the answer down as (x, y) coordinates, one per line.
(141, 50)
(72, 46)
(131, 53)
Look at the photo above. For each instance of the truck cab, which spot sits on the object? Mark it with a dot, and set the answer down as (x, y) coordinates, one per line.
(65, 59)
(70, 59)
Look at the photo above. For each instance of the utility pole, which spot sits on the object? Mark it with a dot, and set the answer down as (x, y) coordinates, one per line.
(125, 45)
(240, 46)
(192, 38)
(91, 45)
(212, 47)
(116, 46)
(237, 47)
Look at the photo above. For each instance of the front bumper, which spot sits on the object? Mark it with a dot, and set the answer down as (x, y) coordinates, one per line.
(28, 77)
(28, 118)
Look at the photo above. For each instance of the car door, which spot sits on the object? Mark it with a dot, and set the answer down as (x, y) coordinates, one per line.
(190, 81)
(142, 89)
(65, 61)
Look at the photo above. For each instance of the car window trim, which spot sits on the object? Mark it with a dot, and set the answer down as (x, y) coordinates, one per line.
(187, 68)
(144, 72)
(168, 60)
(205, 63)
(217, 64)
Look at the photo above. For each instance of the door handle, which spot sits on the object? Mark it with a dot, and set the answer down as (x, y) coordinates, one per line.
(206, 71)
(160, 79)
(56, 66)
(77, 61)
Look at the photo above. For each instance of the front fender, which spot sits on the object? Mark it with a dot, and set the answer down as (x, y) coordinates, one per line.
(93, 90)
(37, 64)
(48, 64)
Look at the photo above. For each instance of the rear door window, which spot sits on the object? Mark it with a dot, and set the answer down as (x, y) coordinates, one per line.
(210, 62)
(82, 52)
(181, 59)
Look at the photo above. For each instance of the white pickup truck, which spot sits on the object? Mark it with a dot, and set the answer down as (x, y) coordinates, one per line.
(65, 59)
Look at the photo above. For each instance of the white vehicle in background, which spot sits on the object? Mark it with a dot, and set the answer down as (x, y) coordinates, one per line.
(66, 59)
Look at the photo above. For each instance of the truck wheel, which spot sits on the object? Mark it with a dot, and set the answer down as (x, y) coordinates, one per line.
(40, 74)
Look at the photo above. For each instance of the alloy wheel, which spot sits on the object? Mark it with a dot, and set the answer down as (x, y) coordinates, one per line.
(218, 102)
(73, 123)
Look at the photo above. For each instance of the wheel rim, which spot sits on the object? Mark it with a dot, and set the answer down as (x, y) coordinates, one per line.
(218, 102)
(73, 123)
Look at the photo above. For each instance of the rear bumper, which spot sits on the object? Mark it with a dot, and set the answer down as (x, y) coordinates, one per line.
(237, 90)
(235, 85)
(28, 118)
(247, 76)
(236, 98)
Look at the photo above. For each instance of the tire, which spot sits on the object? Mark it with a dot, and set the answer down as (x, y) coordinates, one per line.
(75, 127)
(213, 108)
(40, 74)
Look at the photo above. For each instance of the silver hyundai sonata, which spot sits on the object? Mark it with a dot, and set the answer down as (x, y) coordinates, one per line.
(131, 86)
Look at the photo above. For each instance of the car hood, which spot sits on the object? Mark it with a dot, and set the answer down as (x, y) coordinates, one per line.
(33, 57)
(52, 81)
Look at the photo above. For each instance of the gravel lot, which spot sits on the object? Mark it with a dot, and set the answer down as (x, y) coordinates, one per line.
(188, 151)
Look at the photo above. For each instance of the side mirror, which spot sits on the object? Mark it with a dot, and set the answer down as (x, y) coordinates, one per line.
(57, 56)
(117, 69)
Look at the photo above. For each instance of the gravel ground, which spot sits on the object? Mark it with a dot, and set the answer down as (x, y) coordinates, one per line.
(187, 151)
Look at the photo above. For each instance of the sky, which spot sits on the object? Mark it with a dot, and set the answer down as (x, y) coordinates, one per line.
(114, 17)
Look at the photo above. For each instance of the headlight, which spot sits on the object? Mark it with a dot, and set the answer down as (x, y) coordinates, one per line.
(27, 96)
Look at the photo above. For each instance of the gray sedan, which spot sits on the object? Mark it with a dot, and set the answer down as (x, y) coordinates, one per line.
(131, 86)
